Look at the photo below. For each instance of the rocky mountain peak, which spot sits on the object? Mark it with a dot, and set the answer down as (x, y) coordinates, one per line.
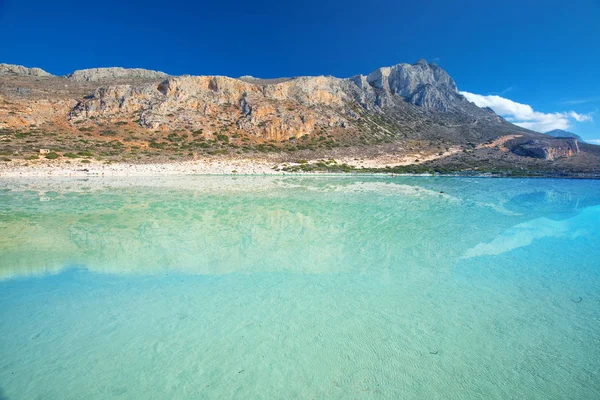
(393, 108)
(559, 133)
(106, 74)
(421, 84)
(10, 69)
(278, 109)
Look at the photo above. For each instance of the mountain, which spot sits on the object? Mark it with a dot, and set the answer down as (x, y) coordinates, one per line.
(9, 69)
(561, 133)
(135, 114)
(418, 101)
(107, 74)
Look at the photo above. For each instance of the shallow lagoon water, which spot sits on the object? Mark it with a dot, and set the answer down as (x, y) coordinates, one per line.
(299, 287)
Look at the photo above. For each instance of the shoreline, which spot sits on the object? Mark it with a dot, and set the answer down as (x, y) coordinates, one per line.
(96, 168)
(202, 166)
(251, 166)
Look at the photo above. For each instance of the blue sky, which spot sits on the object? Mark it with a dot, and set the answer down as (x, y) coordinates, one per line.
(544, 55)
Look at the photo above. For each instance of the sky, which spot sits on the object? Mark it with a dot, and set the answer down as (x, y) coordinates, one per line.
(534, 62)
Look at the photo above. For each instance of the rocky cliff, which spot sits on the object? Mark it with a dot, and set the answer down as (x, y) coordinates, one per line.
(9, 69)
(411, 96)
(418, 100)
(559, 133)
(114, 73)
(421, 84)
(548, 149)
(401, 108)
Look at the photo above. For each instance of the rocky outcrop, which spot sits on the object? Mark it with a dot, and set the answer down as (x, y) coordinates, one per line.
(10, 69)
(416, 101)
(547, 149)
(107, 74)
(421, 84)
(562, 134)
(404, 112)
(279, 109)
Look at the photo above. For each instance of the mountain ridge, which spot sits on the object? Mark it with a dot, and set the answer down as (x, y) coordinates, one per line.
(420, 84)
(562, 133)
(395, 109)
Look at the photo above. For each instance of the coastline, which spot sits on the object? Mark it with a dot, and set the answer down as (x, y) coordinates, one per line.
(97, 168)
(210, 165)
(253, 166)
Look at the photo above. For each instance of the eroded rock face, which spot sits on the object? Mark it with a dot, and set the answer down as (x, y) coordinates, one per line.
(277, 109)
(559, 133)
(421, 84)
(279, 112)
(107, 74)
(419, 100)
(6, 69)
(28, 113)
(548, 149)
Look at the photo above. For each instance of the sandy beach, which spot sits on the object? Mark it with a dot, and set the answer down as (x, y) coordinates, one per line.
(202, 166)
(97, 168)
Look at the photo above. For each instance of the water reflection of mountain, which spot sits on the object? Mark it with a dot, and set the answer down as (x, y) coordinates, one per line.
(219, 225)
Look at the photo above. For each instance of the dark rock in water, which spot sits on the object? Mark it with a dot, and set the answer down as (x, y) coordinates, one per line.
(547, 149)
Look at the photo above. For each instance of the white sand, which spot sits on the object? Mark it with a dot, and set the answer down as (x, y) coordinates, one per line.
(205, 166)
(391, 160)
(76, 168)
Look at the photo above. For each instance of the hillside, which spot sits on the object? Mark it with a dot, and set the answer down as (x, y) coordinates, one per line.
(563, 133)
(405, 115)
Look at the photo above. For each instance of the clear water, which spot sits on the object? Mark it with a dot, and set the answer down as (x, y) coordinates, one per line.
(299, 287)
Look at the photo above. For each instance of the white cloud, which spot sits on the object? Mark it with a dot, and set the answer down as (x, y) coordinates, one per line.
(504, 91)
(593, 141)
(524, 115)
(580, 117)
(582, 101)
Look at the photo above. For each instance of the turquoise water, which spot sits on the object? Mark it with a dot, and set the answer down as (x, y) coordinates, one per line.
(299, 287)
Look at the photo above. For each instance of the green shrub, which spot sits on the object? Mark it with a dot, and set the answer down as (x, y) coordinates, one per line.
(173, 137)
(71, 155)
(158, 145)
(52, 156)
